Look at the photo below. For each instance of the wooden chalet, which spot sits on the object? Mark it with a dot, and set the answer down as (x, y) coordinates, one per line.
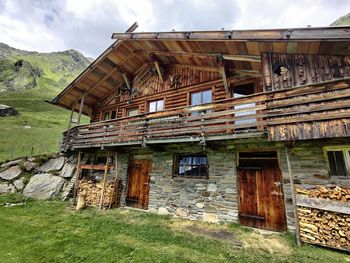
(214, 125)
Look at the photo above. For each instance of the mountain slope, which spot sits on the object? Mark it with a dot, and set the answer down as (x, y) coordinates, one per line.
(27, 79)
(342, 21)
(21, 69)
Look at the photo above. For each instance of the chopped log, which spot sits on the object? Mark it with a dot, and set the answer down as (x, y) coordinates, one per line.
(93, 192)
(324, 216)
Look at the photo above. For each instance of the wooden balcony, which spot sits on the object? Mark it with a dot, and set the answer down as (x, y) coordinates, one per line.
(308, 112)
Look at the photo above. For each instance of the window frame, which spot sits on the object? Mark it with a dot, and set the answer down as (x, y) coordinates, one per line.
(346, 155)
(201, 92)
(156, 101)
(176, 166)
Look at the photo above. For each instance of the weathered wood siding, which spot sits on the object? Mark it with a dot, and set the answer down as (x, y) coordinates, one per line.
(309, 113)
(179, 82)
(302, 69)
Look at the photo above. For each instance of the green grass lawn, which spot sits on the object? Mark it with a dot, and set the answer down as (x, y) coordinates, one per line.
(50, 231)
(46, 121)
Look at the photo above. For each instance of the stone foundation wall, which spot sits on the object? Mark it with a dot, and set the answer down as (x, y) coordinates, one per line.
(213, 199)
(216, 199)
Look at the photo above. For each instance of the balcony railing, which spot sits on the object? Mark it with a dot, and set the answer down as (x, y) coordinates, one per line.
(229, 118)
(316, 111)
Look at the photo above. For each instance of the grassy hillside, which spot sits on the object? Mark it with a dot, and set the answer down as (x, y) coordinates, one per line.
(342, 21)
(39, 126)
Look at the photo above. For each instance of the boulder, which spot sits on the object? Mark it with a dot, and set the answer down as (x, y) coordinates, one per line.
(11, 173)
(68, 170)
(19, 184)
(6, 111)
(11, 163)
(6, 188)
(52, 165)
(29, 166)
(43, 186)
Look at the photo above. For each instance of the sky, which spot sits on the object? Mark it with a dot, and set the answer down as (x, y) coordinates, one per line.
(87, 25)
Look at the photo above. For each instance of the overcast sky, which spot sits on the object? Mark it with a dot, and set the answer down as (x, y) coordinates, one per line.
(87, 25)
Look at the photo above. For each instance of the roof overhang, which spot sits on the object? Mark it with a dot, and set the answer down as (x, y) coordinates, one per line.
(241, 48)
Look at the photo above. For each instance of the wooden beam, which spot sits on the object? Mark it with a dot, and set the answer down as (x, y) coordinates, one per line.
(115, 183)
(323, 204)
(291, 179)
(206, 68)
(127, 81)
(70, 119)
(80, 109)
(224, 79)
(156, 63)
(173, 53)
(312, 33)
(77, 175)
(104, 181)
(242, 58)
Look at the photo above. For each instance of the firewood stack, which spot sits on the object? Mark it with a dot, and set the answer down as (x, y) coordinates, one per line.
(323, 227)
(93, 192)
(332, 193)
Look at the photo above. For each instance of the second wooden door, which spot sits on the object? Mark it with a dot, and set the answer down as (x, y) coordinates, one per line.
(261, 202)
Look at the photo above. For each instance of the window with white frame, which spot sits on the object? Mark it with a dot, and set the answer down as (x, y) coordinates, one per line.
(157, 105)
(201, 97)
(338, 160)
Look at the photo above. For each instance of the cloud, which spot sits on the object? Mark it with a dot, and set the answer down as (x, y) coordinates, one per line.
(87, 25)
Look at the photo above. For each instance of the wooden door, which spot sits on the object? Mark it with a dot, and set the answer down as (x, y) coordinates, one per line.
(261, 202)
(138, 183)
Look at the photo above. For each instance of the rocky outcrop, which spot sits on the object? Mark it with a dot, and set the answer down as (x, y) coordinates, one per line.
(45, 181)
(11, 173)
(6, 111)
(44, 186)
(68, 170)
(55, 164)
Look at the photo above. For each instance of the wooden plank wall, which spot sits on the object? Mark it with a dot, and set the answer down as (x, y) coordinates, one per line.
(151, 88)
(302, 69)
(312, 112)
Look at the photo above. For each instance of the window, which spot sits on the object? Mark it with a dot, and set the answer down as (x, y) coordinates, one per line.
(191, 166)
(113, 114)
(157, 105)
(201, 97)
(338, 161)
(133, 112)
(239, 92)
(106, 116)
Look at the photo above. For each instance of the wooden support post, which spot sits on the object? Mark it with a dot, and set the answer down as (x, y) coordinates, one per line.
(71, 119)
(115, 184)
(127, 81)
(156, 63)
(104, 181)
(291, 178)
(80, 109)
(77, 175)
(224, 79)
